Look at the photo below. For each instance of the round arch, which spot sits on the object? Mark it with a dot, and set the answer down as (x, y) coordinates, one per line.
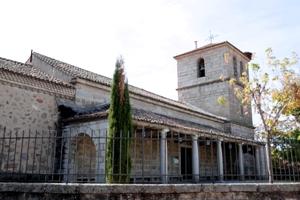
(85, 158)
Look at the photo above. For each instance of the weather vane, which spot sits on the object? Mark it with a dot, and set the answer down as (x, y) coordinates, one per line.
(211, 37)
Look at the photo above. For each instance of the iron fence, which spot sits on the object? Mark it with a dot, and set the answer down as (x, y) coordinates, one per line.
(77, 155)
(286, 159)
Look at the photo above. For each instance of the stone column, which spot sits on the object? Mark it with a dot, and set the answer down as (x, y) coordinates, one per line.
(163, 156)
(263, 161)
(241, 161)
(220, 159)
(257, 162)
(195, 160)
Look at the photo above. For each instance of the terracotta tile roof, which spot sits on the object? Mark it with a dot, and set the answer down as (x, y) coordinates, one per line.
(28, 70)
(148, 116)
(79, 112)
(73, 70)
(101, 111)
(77, 72)
(26, 76)
(246, 54)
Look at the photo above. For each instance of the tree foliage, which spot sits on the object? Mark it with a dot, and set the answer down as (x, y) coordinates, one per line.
(286, 153)
(273, 91)
(118, 162)
(285, 144)
(293, 90)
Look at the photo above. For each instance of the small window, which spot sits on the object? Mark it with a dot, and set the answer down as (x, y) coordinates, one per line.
(241, 68)
(201, 68)
(235, 72)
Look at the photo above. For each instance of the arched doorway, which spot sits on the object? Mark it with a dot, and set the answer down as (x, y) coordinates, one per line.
(85, 158)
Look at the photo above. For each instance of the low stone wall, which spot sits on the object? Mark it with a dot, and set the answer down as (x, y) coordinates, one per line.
(34, 191)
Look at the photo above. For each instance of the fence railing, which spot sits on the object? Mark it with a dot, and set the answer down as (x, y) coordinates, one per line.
(74, 155)
(286, 159)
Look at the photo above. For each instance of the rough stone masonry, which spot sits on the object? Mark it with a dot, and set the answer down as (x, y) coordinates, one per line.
(249, 191)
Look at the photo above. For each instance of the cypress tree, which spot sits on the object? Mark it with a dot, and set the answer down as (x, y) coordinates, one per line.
(118, 161)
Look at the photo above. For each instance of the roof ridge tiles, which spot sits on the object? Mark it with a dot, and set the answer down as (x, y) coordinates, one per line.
(14, 61)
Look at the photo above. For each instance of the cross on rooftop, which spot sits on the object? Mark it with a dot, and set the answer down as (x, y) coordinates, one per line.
(211, 37)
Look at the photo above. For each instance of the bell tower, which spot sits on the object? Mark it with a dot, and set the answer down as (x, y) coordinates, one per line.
(199, 82)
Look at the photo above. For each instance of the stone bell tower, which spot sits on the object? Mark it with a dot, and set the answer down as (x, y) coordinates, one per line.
(199, 82)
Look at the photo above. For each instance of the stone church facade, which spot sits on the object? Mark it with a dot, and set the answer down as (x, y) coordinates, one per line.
(192, 138)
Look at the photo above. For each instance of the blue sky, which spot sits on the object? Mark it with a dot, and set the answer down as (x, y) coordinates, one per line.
(92, 34)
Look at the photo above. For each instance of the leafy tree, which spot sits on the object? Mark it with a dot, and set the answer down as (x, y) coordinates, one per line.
(285, 144)
(269, 91)
(293, 90)
(118, 162)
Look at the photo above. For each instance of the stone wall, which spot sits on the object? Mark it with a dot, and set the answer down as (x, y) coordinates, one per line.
(203, 92)
(238, 113)
(30, 118)
(89, 93)
(214, 67)
(29, 152)
(27, 110)
(180, 114)
(242, 131)
(206, 96)
(247, 191)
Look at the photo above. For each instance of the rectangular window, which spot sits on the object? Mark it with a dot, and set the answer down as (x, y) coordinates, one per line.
(201, 68)
(235, 72)
(241, 68)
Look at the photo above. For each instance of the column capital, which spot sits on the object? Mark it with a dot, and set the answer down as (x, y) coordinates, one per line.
(195, 137)
(165, 130)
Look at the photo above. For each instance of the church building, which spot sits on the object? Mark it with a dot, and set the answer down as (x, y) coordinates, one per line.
(53, 122)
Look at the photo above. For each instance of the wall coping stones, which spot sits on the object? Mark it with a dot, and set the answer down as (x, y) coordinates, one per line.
(77, 188)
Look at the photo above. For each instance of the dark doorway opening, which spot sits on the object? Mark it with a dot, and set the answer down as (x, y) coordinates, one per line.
(230, 161)
(186, 163)
(249, 162)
